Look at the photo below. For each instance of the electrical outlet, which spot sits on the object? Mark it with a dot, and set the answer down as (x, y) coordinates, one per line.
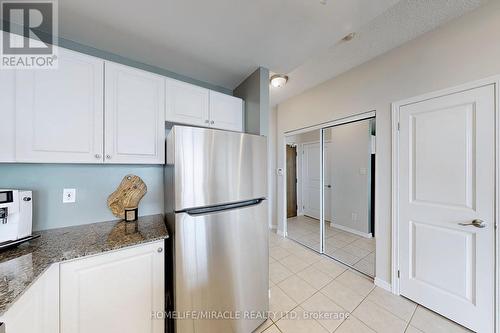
(69, 195)
(354, 216)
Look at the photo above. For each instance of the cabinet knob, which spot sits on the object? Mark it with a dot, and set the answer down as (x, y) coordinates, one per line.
(97, 155)
(207, 121)
(108, 157)
(160, 250)
(212, 122)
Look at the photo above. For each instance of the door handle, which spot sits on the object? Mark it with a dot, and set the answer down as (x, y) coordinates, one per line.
(476, 223)
(329, 186)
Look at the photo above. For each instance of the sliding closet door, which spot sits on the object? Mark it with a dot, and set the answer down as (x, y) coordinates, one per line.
(347, 172)
(304, 167)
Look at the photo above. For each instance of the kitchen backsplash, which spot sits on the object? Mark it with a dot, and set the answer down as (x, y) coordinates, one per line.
(93, 184)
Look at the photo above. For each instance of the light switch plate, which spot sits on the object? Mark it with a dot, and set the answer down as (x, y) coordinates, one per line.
(69, 195)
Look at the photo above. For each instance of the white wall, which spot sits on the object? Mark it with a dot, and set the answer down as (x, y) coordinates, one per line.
(271, 160)
(464, 50)
(348, 161)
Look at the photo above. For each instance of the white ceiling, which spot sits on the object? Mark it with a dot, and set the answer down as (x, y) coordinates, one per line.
(217, 41)
(403, 22)
(222, 41)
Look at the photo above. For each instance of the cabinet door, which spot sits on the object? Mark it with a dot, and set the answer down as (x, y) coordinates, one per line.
(134, 116)
(115, 292)
(37, 310)
(7, 116)
(186, 103)
(226, 112)
(60, 111)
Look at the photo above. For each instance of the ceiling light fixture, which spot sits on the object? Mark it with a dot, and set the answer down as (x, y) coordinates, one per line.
(349, 37)
(278, 80)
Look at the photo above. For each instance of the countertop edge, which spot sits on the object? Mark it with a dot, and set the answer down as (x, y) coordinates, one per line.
(104, 237)
(6, 308)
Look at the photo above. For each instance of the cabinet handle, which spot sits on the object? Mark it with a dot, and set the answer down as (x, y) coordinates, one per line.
(160, 250)
(108, 157)
(97, 155)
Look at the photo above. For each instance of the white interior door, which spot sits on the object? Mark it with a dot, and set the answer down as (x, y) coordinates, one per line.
(311, 179)
(447, 177)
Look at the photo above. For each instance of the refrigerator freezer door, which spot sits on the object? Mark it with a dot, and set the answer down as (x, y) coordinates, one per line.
(221, 265)
(213, 167)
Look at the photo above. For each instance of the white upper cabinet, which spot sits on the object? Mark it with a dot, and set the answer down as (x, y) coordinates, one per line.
(88, 110)
(192, 105)
(134, 116)
(186, 103)
(7, 116)
(59, 116)
(226, 112)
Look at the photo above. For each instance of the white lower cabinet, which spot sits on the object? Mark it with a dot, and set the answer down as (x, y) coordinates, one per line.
(37, 310)
(114, 293)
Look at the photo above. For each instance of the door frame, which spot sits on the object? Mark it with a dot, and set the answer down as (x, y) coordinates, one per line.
(395, 106)
(320, 127)
(296, 148)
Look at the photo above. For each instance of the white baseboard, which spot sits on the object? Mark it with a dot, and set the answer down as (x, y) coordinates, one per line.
(383, 284)
(281, 233)
(352, 231)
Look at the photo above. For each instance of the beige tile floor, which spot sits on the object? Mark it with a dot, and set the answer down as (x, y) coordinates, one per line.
(312, 293)
(347, 247)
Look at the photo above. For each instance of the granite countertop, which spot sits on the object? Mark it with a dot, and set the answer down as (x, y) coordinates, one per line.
(22, 265)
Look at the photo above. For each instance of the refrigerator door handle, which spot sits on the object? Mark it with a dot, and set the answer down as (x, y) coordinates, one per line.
(219, 208)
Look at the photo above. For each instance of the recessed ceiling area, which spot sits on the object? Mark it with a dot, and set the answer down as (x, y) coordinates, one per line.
(221, 42)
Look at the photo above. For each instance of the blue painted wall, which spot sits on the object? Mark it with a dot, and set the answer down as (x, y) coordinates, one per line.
(93, 184)
(66, 43)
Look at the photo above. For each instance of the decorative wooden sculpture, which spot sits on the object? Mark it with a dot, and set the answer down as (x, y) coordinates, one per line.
(131, 190)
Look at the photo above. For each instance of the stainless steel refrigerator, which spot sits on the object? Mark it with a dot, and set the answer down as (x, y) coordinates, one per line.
(216, 208)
